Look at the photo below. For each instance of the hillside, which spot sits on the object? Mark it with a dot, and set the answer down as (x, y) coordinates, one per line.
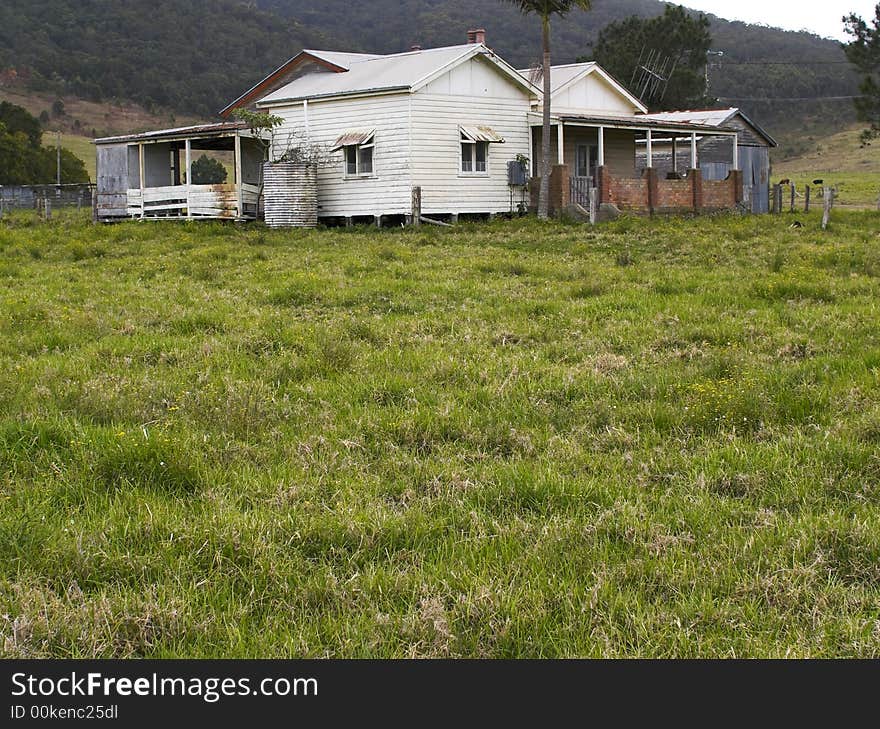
(193, 57)
(839, 160)
(190, 55)
(82, 120)
(91, 119)
(842, 152)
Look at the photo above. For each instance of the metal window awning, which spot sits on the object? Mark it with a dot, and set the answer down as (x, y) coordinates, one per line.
(352, 137)
(481, 133)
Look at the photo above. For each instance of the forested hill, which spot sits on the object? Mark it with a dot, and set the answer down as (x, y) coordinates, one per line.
(185, 55)
(196, 55)
(394, 25)
(779, 76)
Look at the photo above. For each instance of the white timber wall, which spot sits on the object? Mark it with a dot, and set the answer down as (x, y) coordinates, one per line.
(388, 190)
(474, 93)
(592, 95)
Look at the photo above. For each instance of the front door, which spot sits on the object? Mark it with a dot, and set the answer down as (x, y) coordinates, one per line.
(586, 157)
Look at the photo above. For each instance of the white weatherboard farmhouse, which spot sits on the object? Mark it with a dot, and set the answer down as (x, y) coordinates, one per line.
(447, 121)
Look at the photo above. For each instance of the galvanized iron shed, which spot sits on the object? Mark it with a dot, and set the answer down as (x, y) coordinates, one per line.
(753, 142)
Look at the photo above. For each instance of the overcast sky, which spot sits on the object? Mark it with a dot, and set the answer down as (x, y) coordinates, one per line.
(822, 18)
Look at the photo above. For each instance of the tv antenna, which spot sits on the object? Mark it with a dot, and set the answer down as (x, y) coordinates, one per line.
(711, 53)
(651, 75)
(536, 73)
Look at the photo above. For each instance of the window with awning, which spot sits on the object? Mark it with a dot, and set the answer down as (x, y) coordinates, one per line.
(475, 141)
(357, 146)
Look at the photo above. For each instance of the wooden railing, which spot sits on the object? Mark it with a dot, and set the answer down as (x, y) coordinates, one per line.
(194, 201)
(580, 190)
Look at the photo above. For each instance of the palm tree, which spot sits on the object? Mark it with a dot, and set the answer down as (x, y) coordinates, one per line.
(546, 8)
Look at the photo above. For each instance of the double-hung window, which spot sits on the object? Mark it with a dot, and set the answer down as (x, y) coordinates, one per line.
(586, 158)
(473, 155)
(359, 159)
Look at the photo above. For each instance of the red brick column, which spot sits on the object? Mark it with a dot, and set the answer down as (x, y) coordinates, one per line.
(696, 178)
(603, 183)
(560, 191)
(650, 174)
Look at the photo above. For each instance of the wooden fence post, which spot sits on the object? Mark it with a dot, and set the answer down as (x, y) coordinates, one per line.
(417, 206)
(47, 206)
(828, 198)
(777, 199)
(94, 205)
(806, 198)
(792, 197)
(594, 204)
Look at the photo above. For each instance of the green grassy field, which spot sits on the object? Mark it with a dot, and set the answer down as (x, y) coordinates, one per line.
(651, 438)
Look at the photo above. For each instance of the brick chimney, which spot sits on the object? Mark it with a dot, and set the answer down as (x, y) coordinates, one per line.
(476, 35)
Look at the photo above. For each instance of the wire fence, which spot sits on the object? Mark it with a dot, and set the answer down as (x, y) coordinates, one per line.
(34, 197)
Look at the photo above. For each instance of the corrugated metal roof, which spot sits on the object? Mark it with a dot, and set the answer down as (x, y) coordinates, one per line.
(370, 74)
(352, 138)
(341, 58)
(481, 133)
(643, 121)
(710, 117)
(199, 130)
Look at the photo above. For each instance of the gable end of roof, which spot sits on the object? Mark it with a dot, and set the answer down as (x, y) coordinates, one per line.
(277, 78)
(574, 72)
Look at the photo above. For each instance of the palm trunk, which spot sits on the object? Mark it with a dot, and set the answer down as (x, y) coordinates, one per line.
(544, 191)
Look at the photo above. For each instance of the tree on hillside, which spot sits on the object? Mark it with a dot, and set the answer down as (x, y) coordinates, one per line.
(73, 169)
(677, 35)
(208, 171)
(23, 161)
(545, 9)
(864, 53)
(17, 119)
(15, 157)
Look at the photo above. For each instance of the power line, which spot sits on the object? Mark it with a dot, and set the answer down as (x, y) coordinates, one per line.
(782, 98)
(778, 63)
